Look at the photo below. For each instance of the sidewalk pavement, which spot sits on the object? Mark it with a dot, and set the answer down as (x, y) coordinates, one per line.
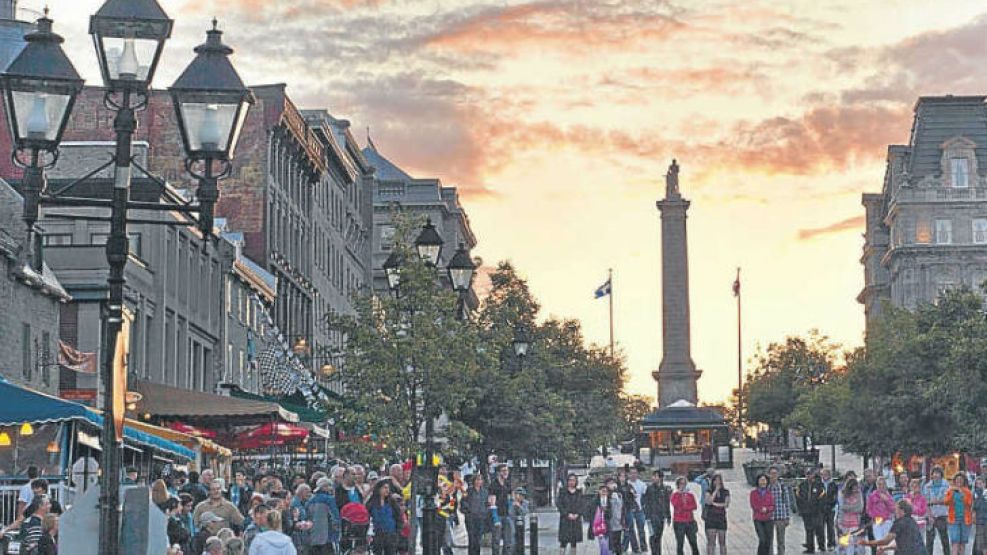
(741, 538)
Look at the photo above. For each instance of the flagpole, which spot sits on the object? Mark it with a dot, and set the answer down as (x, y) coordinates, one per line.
(740, 363)
(610, 281)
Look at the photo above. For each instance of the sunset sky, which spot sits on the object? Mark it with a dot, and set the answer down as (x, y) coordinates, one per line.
(557, 120)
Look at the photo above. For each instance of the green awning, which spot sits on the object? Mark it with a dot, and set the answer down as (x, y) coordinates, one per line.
(293, 403)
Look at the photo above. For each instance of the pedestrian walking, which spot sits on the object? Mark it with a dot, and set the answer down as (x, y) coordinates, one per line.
(762, 507)
(635, 520)
(324, 514)
(781, 494)
(827, 511)
(657, 509)
(598, 525)
(809, 498)
(474, 506)
(717, 501)
(48, 544)
(683, 520)
(935, 493)
(881, 509)
(615, 518)
(959, 501)
(920, 507)
(980, 510)
(569, 502)
(272, 541)
(387, 519)
(501, 539)
(850, 510)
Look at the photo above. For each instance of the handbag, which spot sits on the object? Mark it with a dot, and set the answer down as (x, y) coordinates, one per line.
(599, 523)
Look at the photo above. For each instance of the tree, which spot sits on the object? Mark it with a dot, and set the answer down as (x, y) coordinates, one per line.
(784, 372)
(562, 399)
(408, 357)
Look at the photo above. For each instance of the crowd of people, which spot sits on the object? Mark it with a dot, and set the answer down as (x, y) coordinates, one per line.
(880, 512)
(344, 509)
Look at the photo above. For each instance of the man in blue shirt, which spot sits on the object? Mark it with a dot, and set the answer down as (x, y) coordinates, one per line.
(935, 494)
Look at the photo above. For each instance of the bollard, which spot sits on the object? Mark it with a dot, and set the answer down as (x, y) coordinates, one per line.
(533, 524)
(519, 535)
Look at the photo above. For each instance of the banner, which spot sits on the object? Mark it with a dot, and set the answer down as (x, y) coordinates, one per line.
(120, 371)
(76, 360)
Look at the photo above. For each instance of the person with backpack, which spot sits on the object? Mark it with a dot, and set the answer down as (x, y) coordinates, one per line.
(657, 509)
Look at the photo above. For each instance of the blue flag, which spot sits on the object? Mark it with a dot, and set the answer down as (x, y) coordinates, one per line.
(603, 290)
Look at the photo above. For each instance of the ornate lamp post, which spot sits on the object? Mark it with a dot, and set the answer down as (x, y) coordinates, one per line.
(392, 269)
(429, 244)
(461, 270)
(211, 102)
(40, 87)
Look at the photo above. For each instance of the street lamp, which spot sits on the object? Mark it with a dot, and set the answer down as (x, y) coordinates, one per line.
(429, 244)
(129, 36)
(40, 88)
(392, 269)
(461, 270)
(211, 102)
(521, 343)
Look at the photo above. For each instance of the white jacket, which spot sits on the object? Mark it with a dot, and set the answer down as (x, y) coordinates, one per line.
(272, 542)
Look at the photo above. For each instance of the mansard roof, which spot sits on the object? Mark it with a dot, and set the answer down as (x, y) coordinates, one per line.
(386, 170)
(939, 119)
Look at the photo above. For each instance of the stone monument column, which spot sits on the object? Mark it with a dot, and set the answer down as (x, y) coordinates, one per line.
(677, 374)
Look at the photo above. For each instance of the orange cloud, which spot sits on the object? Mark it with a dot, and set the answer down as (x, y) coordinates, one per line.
(553, 24)
(855, 223)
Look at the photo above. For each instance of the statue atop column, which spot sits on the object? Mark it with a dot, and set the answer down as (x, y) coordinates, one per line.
(672, 180)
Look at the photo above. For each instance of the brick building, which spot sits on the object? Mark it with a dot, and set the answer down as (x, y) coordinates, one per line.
(299, 193)
(926, 230)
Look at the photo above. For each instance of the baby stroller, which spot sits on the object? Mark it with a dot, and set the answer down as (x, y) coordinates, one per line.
(356, 524)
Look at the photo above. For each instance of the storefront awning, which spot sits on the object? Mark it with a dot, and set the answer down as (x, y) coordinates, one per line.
(164, 401)
(20, 405)
(190, 441)
(25, 405)
(304, 412)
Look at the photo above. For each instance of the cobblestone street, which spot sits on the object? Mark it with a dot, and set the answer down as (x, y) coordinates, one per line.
(741, 538)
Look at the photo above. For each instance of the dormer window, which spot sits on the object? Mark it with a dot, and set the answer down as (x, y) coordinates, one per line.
(960, 172)
(959, 163)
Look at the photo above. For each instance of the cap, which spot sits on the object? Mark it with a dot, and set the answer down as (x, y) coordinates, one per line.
(209, 517)
(372, 476)
(131, 469)
(521, 491)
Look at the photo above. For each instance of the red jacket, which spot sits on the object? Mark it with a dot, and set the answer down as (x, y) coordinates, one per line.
(762, 504)
(684, 504)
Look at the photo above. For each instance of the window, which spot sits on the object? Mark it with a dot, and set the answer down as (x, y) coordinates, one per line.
(944, 232)
(26, 351)
(135, 245)
(56, 239)
(960, 170)
(980, 230)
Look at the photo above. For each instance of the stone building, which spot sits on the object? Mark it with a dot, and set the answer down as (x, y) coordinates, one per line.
(29, 301)
(340, 231)
(395, 189)
(926, 231)
(191, 304)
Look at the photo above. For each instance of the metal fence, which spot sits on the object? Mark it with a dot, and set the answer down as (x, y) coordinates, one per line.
(9, 493)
